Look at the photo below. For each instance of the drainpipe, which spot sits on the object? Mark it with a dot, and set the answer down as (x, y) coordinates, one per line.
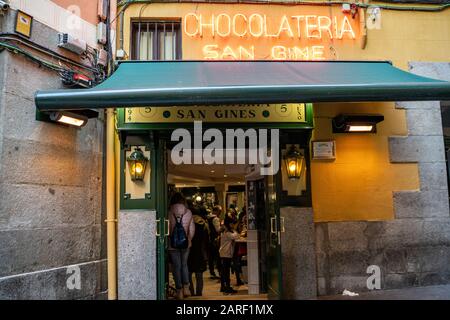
(122, 20)
(110, 177)
(111, 220)
(121, 28)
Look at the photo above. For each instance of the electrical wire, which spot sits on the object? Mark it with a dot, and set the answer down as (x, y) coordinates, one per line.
(40, 61)
(125, 4)
(97, 71)
(59, 68)
(110, 58)
(17, 38)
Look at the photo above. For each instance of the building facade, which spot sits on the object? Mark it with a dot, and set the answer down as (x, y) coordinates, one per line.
(51, 199)
(375, 205)
(384, 200)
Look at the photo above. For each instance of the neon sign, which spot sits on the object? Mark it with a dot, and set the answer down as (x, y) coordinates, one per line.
(250, 36)
(257, 25)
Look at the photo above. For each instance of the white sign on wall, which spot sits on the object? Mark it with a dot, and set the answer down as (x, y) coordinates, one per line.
(324, 150)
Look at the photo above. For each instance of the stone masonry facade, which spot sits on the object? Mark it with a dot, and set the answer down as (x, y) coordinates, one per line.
(50, 188)
(51, 205)
(414, 248)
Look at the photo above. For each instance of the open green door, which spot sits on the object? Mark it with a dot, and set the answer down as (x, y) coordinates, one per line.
(274, 271)
(161, 212)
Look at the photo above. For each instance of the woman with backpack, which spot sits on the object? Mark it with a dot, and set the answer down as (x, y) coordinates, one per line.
(182, 230)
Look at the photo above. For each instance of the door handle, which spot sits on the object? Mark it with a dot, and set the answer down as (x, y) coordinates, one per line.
(157, 228)
(166, 226)
(272, 225)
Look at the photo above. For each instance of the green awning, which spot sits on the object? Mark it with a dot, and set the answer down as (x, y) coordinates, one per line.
(162, 83)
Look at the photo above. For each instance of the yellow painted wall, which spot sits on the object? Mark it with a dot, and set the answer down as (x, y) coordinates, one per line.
(360, 183)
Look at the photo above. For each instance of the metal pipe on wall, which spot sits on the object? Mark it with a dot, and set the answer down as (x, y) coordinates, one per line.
(110, 177)
(111, 220)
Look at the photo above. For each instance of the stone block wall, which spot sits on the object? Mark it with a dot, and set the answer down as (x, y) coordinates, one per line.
(50, 188)
(137, 255)
(414, 248)
(298, 253)
(409, 252)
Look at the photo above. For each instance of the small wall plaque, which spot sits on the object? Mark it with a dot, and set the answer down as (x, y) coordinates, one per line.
(324, 150)
(23, 24)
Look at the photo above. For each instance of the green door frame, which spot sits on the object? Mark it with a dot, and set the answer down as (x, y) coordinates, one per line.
(274, 259)
(161, 216)
(157, 197)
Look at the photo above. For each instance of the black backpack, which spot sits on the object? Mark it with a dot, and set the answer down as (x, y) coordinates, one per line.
(178, 238)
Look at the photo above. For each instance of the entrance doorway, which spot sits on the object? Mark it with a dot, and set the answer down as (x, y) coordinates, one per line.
(240, 192)
(272, 134)
(241, 185)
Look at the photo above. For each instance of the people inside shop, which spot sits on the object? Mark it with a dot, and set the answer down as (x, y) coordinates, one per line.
(240, 247)
(226, 252)
(182, 231)
(190, 205)
(214, 241)
(232, 214)
(236, 225)
(242, 222)
(198, 255)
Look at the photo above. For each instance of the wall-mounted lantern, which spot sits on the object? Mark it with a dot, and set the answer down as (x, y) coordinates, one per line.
(356, 123)
(137, 164)
(294, 161)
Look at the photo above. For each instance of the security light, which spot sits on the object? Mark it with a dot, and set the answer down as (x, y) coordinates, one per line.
(69, 118)
(357, 128)
(356, 123)
(4, 5)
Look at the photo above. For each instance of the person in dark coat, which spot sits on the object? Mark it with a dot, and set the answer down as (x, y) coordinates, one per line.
(198, 256)
(214, 241)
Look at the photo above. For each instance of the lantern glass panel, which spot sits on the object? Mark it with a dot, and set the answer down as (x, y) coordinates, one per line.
(294, 162)
(137, 164)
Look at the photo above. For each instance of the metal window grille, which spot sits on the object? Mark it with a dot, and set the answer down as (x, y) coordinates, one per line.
(156, 40)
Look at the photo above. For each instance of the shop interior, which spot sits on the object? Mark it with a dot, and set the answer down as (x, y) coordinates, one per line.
(253, 199)
(224, 186)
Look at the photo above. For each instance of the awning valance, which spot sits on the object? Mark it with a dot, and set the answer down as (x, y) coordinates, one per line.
(163, 83)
